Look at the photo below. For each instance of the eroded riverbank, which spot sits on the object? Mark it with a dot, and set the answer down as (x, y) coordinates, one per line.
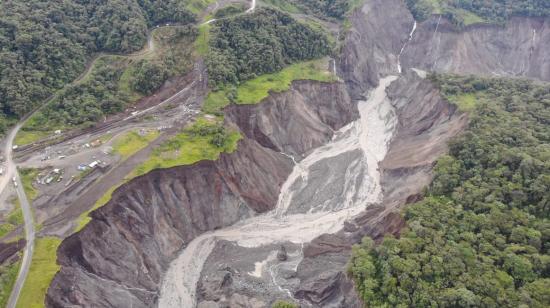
(338, 179)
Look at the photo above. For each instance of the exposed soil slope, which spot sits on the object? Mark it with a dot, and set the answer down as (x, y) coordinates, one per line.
(520, 48)
(121, 256)
(426, 123)
(118, 259)
(372, 45)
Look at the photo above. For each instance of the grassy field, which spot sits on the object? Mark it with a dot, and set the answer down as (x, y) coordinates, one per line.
(12, 220)
(28, 137)
(440, 7)
(465, 102)
(201, 43)
(189, 147)
(8, 275)
(470, 18)
(27, 178)
(436, 5)
(186, 148)
(255, 90)
(132, 142)
(43, 269)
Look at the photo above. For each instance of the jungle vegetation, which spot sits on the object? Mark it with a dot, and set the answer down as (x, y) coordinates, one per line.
(113, 83)
(266, 41)
(481, 236)
(46, 44)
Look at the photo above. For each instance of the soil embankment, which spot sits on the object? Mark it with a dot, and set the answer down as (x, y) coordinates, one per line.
(119, 258)
(426, 123)
(517, 49)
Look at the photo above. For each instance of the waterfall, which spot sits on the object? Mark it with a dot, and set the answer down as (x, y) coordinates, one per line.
(411, 34)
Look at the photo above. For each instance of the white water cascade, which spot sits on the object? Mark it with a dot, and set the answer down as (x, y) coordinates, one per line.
(365, 141)
(411, 34)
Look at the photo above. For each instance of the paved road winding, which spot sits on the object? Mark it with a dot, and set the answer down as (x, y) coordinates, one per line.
(11, 173)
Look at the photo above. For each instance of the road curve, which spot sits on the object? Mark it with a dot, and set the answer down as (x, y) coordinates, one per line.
(11, 172)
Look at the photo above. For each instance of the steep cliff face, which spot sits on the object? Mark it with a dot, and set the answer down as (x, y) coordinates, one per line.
(373, 43)
(119, 258)
(307, 115)
(520, 48)
(380, 29)
(426, 123)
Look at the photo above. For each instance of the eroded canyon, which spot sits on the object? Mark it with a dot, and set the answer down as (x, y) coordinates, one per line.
(319, 167)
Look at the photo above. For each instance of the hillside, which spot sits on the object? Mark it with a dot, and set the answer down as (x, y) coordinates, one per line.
(47, 44)
(478, 11)
(274, 153)
(480, 237)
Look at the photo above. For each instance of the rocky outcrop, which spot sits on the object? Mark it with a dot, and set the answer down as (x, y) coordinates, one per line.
(426, 123)
(372, 45)
(119, 258)
(519, 48)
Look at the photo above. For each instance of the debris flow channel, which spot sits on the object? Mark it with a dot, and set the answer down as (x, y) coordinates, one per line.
(331, 185)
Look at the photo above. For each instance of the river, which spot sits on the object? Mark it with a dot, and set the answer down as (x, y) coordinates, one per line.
(348, 165)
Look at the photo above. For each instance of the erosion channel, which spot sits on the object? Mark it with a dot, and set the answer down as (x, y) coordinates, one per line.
(319, 166)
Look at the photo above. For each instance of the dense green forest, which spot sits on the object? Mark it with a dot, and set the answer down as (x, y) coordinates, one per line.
(481, 236)
(230, 10)
(324, 9)
(46, 44)
(85, 102)
(116, 81)
(265, 41)
(488, 10)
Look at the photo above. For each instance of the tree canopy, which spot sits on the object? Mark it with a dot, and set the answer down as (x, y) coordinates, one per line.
(116, 81)
(325, 8)
(481, 237)
(249, 45)
(46, 44)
